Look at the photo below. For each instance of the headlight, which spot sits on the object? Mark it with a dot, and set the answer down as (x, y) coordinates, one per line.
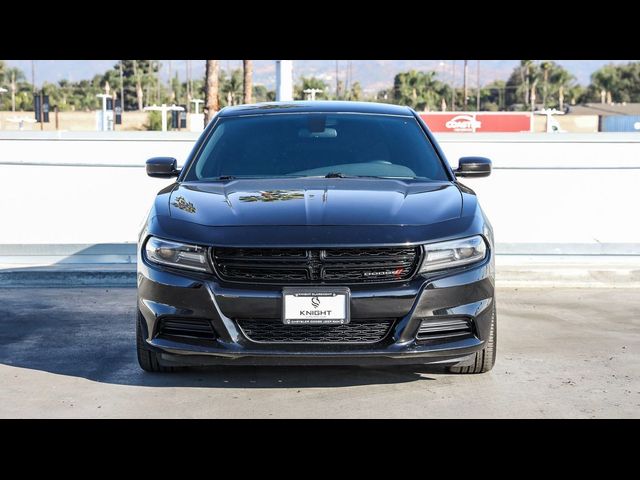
(179, 255)
(454, 253)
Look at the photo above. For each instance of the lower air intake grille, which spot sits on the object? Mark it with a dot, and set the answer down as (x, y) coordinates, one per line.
(357, 331)
(186, 327)
(438, 328)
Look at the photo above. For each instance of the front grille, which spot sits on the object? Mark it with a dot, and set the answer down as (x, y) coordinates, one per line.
(274, 331)
(439, 328)
(185, 327)
(331, 265)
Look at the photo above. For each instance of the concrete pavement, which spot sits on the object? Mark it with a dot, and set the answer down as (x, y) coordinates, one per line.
(569, 353)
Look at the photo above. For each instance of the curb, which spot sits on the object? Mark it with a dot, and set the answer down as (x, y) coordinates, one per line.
(583, 276)
(62, 279)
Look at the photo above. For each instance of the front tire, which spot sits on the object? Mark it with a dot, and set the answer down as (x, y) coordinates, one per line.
(485, 359)
(147, 358)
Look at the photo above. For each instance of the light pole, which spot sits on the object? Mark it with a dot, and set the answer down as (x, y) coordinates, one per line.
(453, 85)
(284, 80)
(337, 81)
(478, 83)
(188, 67)
(121, 86)
(163, 109)
(464, 84)
(443, 102)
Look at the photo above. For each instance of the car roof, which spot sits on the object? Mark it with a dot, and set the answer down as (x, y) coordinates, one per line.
(320, 106)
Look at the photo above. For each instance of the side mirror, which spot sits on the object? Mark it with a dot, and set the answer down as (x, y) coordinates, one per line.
(473, 167)
(162, 167)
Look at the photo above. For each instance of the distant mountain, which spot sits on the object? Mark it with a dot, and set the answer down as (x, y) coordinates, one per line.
(373, 75)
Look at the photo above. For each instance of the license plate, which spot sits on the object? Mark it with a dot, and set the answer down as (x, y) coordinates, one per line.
(315, 306)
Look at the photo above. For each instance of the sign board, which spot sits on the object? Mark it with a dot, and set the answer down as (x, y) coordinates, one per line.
(183, 117)
(175, 118)
(36, 106)
(44, 107)
(179, 118)
(477, 121)
(118, 112)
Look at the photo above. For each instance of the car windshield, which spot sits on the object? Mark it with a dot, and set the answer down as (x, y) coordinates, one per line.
(317, 145)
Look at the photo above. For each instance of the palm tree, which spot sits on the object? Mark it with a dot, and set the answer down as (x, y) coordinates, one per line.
(65, 89)
(564, 82)
(355, 92)
(545, 67)
(211, 90)
(606, 79)
(139, 94)
(247, 84)
(306, 83)
(527, 68)
(419, 90)
(231, 88)
(14, 76)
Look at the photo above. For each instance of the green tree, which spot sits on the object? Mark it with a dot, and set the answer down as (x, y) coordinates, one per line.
(420, 90)
(355, 92)
(3, 72)
(261, 94)
(548, 81)
(492, 96)
(154, 120)
(385, 95)
(64, 94)
(231, 87)
(11, 77)
(620, 83)
(559, 83)
(179, 90)
(305, 83)
(518, 87)
(140, 80)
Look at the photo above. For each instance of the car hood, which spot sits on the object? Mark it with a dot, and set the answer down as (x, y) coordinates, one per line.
(309, 202)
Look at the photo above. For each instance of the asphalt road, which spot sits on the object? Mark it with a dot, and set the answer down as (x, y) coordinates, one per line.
(562, 353)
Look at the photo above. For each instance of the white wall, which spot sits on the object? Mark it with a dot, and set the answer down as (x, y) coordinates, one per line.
(554, 190)
(557, 188)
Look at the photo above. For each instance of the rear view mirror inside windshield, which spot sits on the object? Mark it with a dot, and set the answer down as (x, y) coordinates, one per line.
(326, 133)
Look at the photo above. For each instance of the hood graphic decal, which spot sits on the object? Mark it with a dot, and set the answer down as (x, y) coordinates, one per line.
(273, 196)
(182, 204)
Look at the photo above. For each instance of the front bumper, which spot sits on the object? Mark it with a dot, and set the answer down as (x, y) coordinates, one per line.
(467, 293)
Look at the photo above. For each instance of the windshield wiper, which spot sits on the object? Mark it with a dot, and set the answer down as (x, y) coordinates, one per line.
(226, 177)
(335, 175)
(342, 175)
